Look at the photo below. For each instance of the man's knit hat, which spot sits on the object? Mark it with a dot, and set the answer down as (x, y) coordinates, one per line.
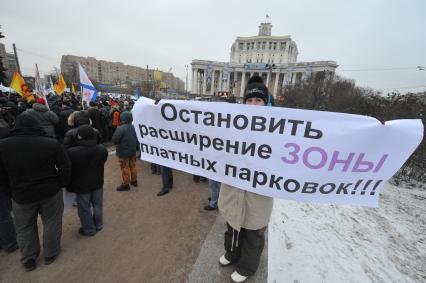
(85, 132)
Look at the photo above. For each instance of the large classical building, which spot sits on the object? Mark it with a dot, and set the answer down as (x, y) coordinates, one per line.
(114, 73)
(272, 57)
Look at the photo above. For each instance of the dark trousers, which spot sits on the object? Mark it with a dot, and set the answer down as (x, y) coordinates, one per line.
(51, 211)
(244, 248)
(155, 169)
(7, 230)
(167, 177)
(198, 179)
(90, 221)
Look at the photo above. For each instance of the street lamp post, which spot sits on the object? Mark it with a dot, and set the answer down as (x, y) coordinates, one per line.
(186, 81)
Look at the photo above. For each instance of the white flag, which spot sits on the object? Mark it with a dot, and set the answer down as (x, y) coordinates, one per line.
(39, 91)
(51, 89)
(88, 90)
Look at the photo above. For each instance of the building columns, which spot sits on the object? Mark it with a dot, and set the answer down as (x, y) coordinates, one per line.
(243, 84)
(293, 78)
(220, 81)
(194, 80)
(199, 81)
(227, 80)
(268, 78)
(212, 82)
(204, 85)
(277, 76)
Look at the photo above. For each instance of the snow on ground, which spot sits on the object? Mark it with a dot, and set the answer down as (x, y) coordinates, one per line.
(335, 243)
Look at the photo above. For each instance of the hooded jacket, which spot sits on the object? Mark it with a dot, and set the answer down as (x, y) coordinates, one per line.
(34, 167)
(45, 117)
(87, 159)
(125, 137)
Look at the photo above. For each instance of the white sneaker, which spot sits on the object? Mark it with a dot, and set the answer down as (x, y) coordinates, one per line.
(236, 277)
(223, 261)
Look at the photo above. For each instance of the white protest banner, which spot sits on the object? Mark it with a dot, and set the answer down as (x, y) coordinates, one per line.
(303, 155)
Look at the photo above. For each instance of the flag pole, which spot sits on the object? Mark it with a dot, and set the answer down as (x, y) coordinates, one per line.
(81, 94)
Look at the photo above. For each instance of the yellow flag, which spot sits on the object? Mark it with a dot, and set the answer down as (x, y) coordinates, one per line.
(60, 85)
(157, 75)
(72, 88)
(19, 85)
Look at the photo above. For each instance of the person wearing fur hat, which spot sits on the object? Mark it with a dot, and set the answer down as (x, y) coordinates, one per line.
(34, 181)
(247, 214)
(75, 120)
(44, 116)
(88, 159)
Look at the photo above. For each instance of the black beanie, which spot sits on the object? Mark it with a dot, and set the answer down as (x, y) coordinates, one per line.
(255, 79)
(256, 88)
(85, 132)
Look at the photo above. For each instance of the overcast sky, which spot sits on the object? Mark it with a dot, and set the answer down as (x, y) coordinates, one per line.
(360, 35)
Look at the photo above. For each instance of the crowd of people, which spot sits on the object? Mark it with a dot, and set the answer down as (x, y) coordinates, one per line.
(54, 143)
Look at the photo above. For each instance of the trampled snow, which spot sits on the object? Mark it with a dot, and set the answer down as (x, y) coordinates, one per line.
(335, 243)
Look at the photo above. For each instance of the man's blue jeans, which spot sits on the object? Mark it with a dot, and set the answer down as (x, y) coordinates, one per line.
(90, 221)
(214, 188)
(7, 230)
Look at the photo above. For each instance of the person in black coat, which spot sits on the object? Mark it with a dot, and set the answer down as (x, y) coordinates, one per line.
(35, 168)
(88, 159)
(78, 118)
(8, 241)
(95, 115)
(62, 126)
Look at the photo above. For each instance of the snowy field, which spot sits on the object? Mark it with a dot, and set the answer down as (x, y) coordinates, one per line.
(331, 243)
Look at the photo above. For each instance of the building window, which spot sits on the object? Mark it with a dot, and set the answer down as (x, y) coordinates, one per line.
(270, 45)
(258, 45)
(263, 45)
(275, 46)
(282, 45)
(241, 46)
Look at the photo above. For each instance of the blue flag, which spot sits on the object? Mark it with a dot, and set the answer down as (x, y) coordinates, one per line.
(89, 92)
